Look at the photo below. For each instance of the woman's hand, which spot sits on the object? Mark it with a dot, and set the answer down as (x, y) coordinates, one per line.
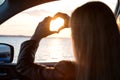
(42, 29)
(65, 17)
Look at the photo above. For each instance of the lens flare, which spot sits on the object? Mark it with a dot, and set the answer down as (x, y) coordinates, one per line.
(56, 24)
(118, 22)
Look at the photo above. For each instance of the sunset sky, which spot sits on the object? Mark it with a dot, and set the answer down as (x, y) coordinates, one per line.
(25, 22)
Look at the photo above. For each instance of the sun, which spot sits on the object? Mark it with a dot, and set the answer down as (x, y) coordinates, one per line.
(55, 24)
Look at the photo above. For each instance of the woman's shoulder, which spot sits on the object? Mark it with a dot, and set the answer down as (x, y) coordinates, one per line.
(67, 68)
(63, 70)
(66, 64)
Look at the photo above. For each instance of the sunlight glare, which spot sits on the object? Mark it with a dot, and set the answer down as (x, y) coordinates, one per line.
(118, 22)
(56, 24)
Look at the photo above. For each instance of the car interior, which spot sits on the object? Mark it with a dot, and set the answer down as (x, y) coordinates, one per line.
(11, 8)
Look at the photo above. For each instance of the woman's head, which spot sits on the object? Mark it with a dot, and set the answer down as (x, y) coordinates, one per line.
(95, 38)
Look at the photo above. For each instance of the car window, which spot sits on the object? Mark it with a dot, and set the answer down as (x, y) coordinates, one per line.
(52, 48)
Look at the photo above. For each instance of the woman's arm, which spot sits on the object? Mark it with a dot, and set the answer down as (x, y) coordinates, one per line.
(26, 65)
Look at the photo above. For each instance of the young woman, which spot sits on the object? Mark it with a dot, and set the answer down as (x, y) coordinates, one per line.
(96, 44)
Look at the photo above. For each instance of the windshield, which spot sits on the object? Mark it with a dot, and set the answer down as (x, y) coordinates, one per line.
(52, 48)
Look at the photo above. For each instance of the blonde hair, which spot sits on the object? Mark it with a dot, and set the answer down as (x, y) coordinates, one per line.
(96, 42)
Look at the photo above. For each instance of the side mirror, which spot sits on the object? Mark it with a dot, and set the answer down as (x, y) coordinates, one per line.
(6, 53)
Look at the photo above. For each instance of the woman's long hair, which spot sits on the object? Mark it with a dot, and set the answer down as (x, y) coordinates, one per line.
(96, 42)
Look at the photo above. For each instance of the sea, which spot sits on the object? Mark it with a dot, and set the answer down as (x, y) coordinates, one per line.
(51, 49)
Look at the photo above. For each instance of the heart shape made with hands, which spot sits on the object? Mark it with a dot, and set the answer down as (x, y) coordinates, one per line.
(59, 22)
(56, 24)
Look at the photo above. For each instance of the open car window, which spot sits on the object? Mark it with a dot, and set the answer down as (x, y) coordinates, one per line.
(52, 48)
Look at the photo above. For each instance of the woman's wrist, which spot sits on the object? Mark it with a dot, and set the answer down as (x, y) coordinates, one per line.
(36, 38)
